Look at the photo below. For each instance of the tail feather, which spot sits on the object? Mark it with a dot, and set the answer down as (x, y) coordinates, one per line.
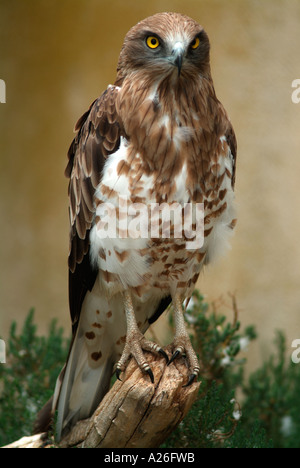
(80, 388)
(98, 343)
(86, 377)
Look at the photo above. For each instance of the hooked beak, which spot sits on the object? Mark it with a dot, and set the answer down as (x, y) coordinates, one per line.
(177, 56)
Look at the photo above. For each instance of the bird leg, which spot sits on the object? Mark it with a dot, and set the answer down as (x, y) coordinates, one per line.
(136, 342)
(182, 343)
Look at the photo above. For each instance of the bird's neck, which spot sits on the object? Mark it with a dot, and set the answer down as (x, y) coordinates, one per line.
(164, 121)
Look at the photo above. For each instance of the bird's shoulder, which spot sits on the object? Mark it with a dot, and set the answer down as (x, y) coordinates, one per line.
(100, 123)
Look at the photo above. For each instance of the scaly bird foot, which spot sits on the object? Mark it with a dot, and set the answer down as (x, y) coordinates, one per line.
(182, 345)
(134, 346)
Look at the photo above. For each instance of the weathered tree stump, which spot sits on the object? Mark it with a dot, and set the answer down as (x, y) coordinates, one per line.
(136, 413)
(34, 441)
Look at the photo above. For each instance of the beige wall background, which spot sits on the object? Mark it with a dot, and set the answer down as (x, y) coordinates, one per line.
(56, 56)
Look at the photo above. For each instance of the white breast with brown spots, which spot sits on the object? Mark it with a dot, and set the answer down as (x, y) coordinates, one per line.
(130, 258)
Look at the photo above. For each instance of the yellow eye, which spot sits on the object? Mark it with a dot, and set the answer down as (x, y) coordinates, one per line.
(152, 42)
(195, 43)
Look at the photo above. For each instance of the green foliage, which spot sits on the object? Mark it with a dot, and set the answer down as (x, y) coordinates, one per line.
(231, 411)
(28, 378)
(272, 397)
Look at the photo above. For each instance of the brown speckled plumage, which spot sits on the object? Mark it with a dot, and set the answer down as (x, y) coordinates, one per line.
(158, 135)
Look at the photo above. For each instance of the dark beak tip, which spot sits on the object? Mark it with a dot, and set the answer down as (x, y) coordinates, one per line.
(178, 63)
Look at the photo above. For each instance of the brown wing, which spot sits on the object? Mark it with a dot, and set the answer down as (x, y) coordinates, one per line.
(231, 139)
(98, 136)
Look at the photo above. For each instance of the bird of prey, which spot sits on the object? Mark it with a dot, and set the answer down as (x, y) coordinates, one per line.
(158, 135)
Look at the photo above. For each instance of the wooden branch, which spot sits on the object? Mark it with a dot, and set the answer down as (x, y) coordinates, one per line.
(136, 413)
(35, 441)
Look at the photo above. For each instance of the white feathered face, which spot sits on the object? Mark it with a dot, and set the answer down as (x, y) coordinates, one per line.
(166, 43)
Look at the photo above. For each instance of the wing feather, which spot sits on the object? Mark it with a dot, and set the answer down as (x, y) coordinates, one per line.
(231, 140)
(98, 135)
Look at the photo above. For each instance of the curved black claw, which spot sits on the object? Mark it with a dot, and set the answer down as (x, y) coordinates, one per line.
(174, 356)
(164, 354)
(192, 377)
(118, 373)
(150, 373)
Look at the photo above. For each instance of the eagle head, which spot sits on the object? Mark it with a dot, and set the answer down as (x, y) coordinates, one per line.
(165, 44)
